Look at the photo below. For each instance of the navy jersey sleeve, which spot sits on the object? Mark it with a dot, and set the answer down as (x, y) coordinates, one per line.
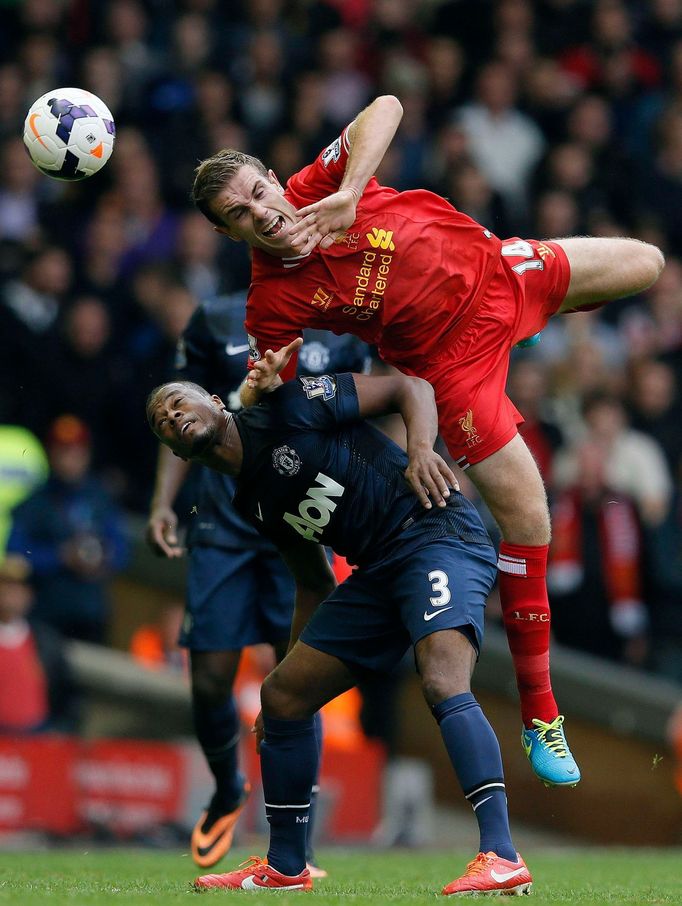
(317, 403)
(193, 350)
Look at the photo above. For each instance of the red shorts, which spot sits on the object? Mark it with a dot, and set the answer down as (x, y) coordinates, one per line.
(476, 417)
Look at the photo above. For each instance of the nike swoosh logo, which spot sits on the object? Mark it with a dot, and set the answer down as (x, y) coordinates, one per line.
(235, 350)
(505, 876)
(429, 616)
(31, 121)
(259, 514)
(482, 802)
(205, 850)
(251, 884)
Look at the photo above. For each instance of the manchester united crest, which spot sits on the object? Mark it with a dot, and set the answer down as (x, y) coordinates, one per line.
(286, 461)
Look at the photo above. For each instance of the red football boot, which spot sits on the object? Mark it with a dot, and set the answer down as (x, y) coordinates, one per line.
(490, 874)
(255, 874)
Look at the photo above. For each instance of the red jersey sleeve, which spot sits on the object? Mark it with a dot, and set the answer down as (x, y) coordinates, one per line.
(261, 340)
(323, 176)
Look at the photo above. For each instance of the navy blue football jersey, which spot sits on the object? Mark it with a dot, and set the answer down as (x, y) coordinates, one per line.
(313, 470)
(213, 352)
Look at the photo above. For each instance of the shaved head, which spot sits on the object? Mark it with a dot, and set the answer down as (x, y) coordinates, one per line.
(185, 417)
(163, 391)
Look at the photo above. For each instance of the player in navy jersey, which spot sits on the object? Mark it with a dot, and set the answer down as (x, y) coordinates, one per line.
(310, 472)
(239, 592)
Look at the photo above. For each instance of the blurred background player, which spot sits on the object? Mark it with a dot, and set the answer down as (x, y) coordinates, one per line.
(445, 299)
(310, 472)
(239, 593)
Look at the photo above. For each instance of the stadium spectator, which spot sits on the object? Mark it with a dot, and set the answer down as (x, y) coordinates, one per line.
(504, 142)
(634, 464)
(528, 389)
(37, 690)
(665, 589)
(18, 197)
(23, 468)
(596, 560)
(29, 311)
(91, 379)
(12, 100)
(73, 537)
(654, 407)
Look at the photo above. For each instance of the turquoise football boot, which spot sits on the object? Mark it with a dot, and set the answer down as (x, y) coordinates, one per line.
(529, 341)
(548, 753)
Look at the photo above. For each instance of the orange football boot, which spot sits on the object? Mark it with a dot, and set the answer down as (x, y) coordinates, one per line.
(213, 833)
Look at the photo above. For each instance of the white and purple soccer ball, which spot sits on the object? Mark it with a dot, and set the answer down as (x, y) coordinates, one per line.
(69, 133)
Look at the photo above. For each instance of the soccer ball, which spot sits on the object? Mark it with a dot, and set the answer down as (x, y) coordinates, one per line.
(69, 133)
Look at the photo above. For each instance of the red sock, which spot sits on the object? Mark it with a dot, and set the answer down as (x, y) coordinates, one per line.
(525, 612)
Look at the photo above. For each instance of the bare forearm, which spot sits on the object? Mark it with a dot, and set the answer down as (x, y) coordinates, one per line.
(416, 403)
(307, 602)
(170, 475)
(370, 135)
(248, 395)
(428, 474)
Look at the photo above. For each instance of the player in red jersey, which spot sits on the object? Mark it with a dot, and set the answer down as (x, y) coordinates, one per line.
(444, 299)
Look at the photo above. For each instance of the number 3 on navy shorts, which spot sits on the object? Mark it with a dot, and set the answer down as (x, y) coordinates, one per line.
(441, 594)
(519, 248)
(439, 585)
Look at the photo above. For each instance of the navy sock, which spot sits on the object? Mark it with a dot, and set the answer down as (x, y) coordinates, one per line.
(319, 736)
(288, 764)
(475, 755)
(218, 731)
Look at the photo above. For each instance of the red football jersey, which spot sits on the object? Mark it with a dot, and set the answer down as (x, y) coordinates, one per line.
(405, 276)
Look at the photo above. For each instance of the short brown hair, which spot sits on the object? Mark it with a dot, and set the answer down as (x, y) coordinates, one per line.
(214, 173)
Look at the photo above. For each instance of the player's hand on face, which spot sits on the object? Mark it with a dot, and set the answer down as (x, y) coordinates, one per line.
(265, 372)
(325, 221)
(161, 532)
(430, 477)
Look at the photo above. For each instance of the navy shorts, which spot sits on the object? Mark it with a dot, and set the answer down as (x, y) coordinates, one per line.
(424, 585)
(235, 599)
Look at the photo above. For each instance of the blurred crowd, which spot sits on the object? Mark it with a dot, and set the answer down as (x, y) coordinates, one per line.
(539, 118)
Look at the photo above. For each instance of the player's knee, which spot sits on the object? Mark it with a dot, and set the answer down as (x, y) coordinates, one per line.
(279, 700)
(438, 686)
(529, 524)
(447, 672)
(210, 687)
(651, 262)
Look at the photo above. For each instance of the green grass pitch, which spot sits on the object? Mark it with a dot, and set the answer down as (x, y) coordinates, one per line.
(79, 877)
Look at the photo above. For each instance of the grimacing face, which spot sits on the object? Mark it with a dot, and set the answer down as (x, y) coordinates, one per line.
(252, 207)
(186, 420)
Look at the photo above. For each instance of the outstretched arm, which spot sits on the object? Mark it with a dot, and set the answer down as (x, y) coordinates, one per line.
(428, 474)
(369, 135)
